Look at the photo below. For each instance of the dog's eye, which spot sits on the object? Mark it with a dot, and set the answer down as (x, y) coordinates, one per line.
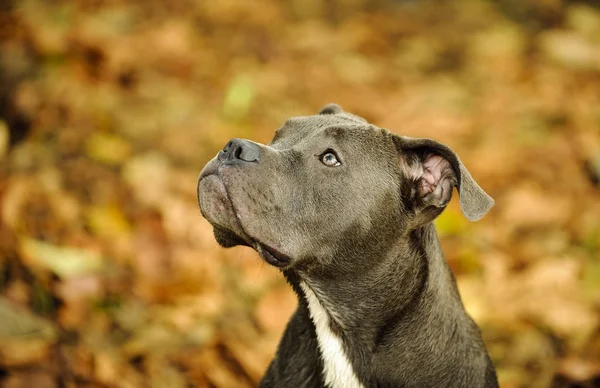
(330, 159)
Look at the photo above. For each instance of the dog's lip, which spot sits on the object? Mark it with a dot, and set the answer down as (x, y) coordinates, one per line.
(272, 255)
(208, 172)
(268, 253)
(241, 233)
(213, 167)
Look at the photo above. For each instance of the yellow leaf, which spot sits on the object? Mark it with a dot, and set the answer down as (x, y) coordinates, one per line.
(108, 221)
(63, 261)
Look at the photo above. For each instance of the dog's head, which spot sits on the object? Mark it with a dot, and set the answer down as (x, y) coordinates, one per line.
(328, 184)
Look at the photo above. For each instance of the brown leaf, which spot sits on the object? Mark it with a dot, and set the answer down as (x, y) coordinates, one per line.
(528, 207)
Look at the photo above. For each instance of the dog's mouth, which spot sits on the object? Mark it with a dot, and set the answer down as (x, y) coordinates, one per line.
(272, 255)
(229, 234)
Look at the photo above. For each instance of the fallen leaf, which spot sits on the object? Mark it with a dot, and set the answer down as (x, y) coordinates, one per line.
(25, 338)
(63, 261)
(527, 207)
(570, 50)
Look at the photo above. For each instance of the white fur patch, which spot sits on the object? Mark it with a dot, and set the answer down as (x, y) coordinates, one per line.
(337, 370)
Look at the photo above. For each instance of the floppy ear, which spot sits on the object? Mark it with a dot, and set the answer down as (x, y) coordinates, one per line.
(436, 169)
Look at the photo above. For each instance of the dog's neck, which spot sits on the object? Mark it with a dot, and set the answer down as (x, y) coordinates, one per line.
(367, 305)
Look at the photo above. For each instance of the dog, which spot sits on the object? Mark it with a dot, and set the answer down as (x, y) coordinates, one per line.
(344, 209)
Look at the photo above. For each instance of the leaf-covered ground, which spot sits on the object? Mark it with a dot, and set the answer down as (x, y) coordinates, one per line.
(109, 276)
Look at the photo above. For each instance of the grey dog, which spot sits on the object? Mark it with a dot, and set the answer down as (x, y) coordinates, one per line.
(344, 209)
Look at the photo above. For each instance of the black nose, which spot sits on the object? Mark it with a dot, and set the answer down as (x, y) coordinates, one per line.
(240, 150)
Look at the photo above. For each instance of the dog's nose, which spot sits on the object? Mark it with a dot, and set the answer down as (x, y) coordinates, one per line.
(240, 150)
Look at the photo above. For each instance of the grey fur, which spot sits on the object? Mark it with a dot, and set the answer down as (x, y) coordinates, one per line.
(360, 235)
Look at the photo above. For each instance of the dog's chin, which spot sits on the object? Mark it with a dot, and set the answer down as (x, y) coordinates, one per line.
(227, 238)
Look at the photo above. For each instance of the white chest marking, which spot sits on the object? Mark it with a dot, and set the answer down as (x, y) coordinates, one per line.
(337, 370)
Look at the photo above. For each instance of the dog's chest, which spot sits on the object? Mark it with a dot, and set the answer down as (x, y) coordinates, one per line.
(337, 369)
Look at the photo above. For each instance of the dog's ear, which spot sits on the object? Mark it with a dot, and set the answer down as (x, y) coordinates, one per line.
(331, 109)
(335, 109)
(436, 169)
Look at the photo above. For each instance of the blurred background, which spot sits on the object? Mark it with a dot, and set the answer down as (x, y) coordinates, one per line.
(110, 277)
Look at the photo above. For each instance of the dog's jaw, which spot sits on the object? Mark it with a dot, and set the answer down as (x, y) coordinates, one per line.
(216, 206)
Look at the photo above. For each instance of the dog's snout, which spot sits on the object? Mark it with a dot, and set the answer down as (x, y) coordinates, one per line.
(240, 150)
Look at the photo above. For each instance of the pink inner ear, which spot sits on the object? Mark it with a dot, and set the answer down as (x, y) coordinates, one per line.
(435, 168)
